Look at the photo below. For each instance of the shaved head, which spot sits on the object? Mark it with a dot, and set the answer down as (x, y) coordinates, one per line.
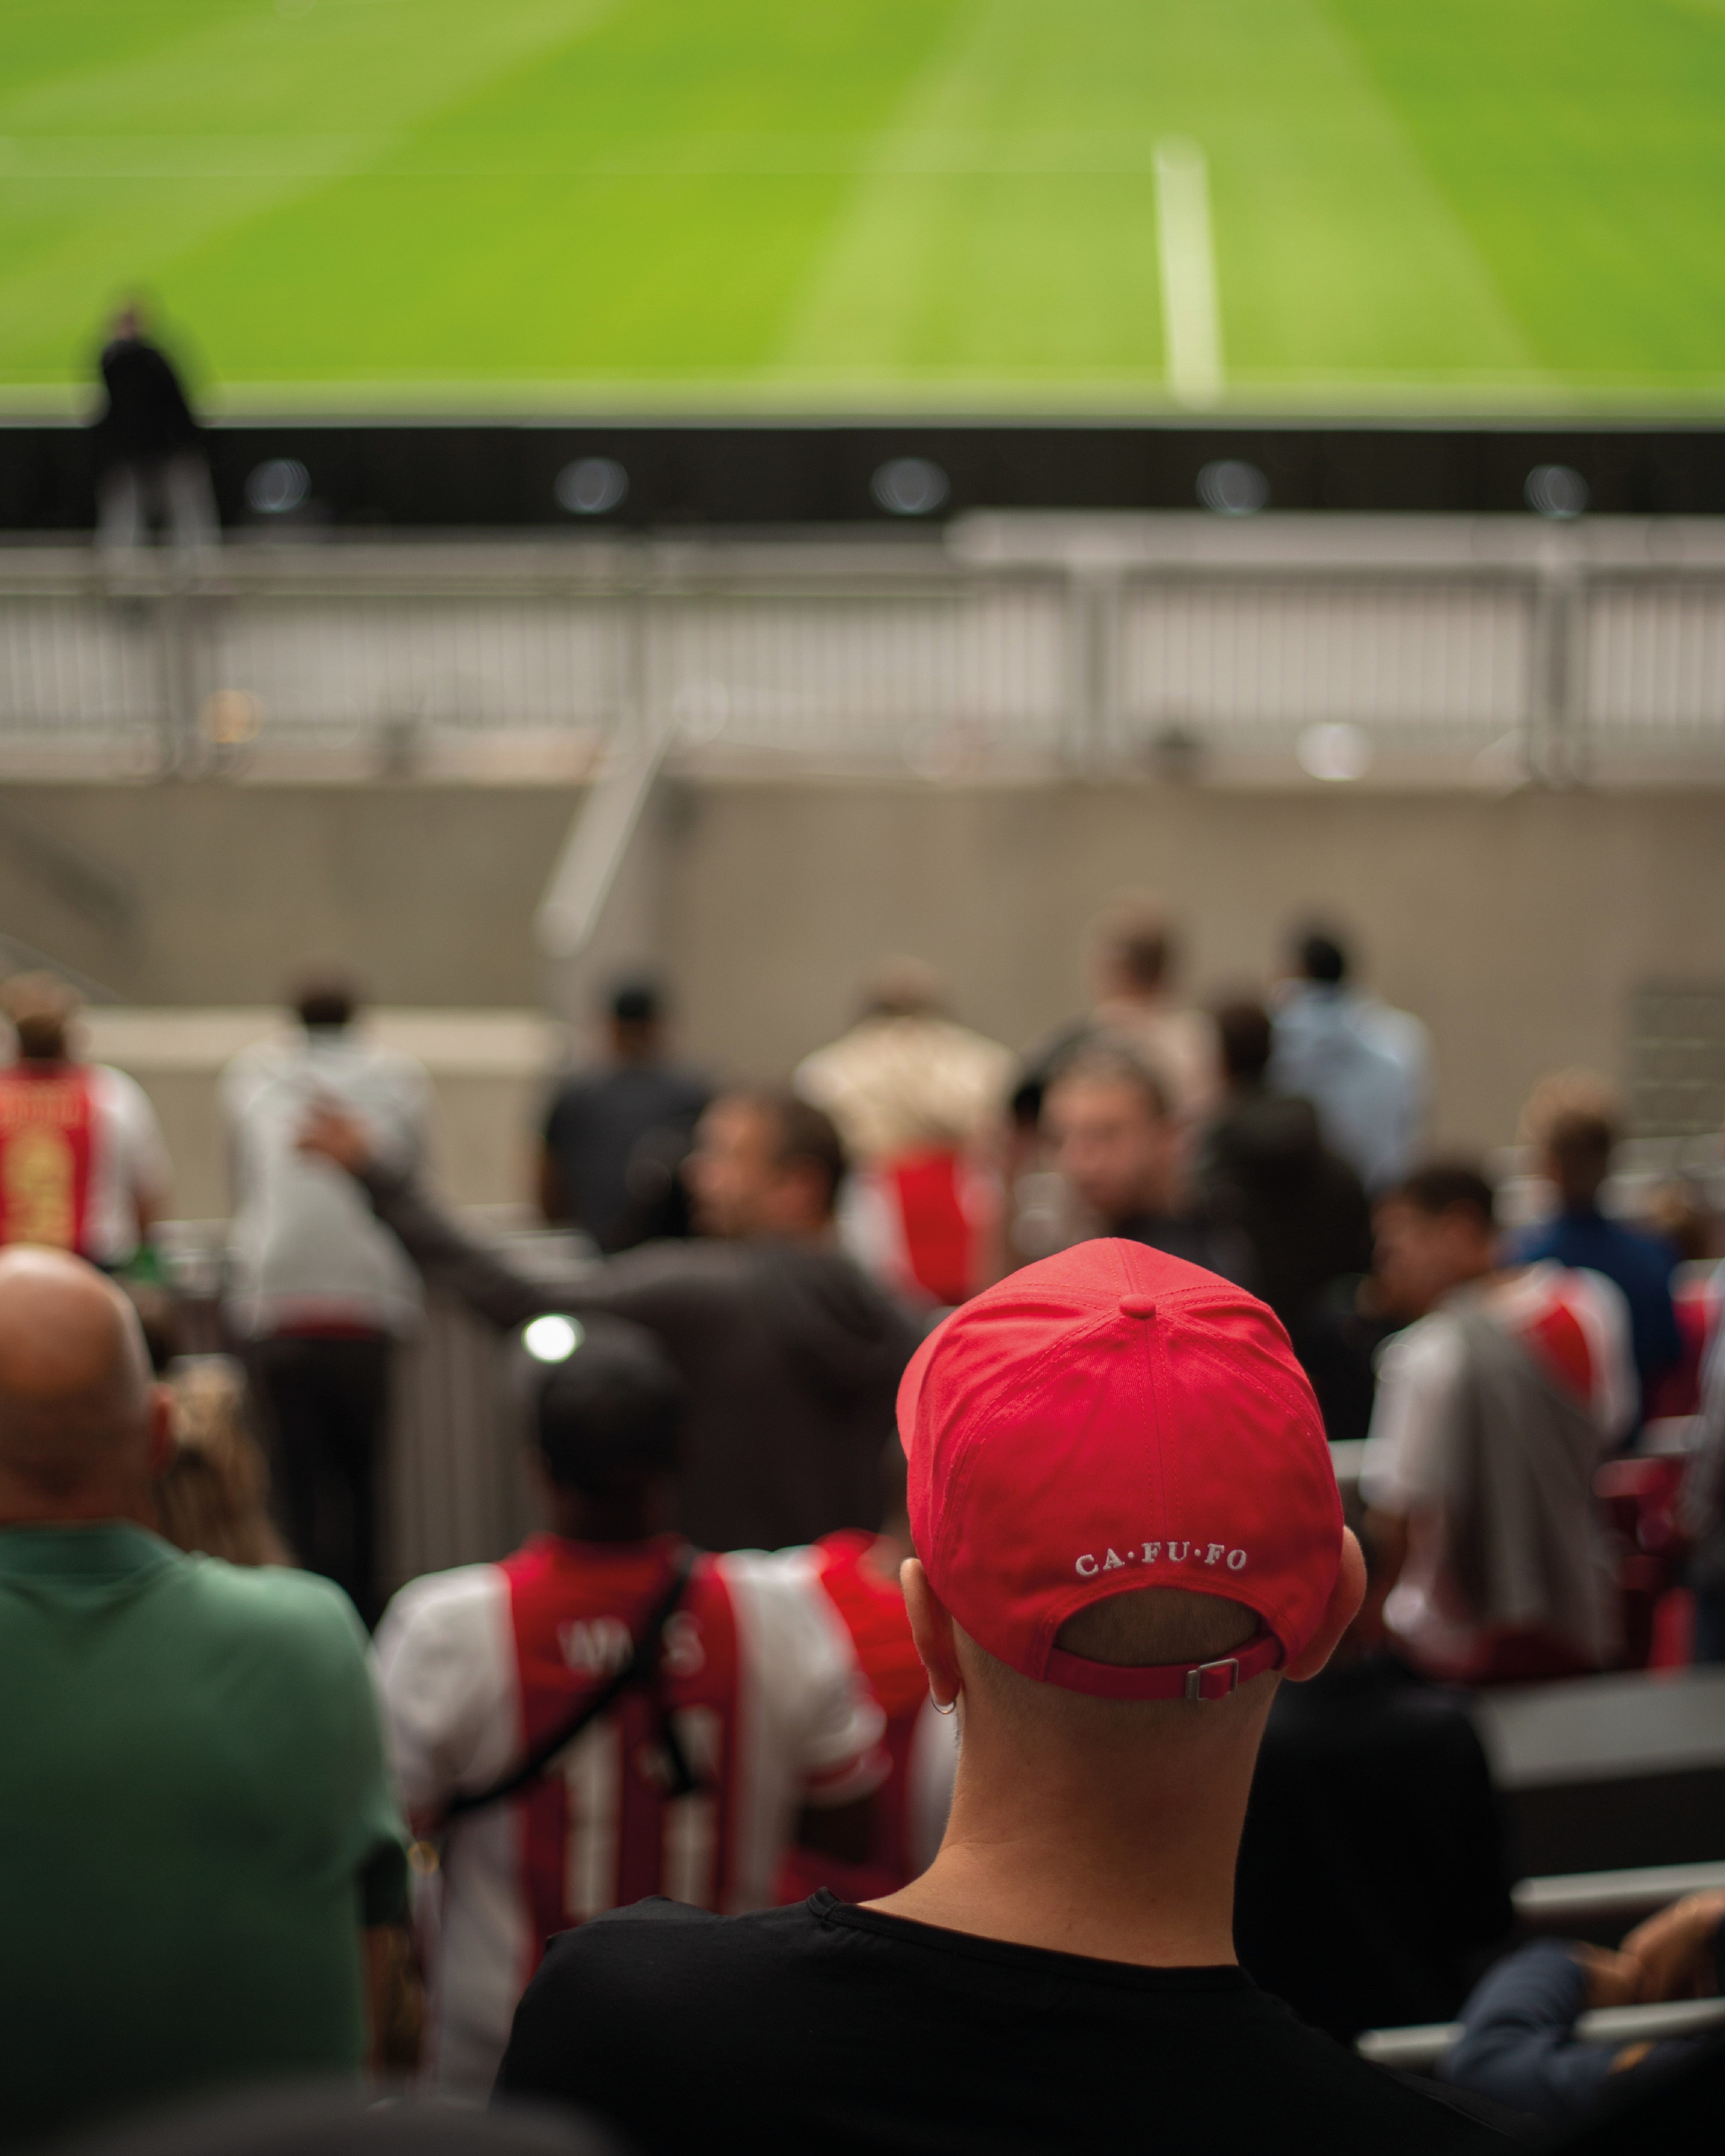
(77, 1412)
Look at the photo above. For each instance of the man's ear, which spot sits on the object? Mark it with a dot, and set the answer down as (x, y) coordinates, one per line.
(931, 1629)
(159, 1448)
(1346, 1597)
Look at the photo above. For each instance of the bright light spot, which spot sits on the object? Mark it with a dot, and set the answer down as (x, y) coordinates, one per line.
(275, 488)
(910, 486)
(552, 1339)
(1335, 752)
(1232, 488)
(591, 486)
(1556, 490)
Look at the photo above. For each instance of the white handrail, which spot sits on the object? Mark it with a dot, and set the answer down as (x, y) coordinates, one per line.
(1421, 2046)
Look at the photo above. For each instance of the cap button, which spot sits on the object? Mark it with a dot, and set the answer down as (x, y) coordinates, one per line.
(1138, 1306)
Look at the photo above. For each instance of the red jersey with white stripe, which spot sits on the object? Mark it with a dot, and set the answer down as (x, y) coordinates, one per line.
(80, 1147)
(911, 1804)
(477, 1667)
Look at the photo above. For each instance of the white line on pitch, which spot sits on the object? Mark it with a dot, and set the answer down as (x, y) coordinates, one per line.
(1191, 319)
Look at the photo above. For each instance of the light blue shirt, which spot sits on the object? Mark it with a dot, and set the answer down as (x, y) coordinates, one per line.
(1363, 1067)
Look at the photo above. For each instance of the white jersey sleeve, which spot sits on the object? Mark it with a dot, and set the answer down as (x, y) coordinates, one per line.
(130, 1169)
(444, 1664)
(803, 1661)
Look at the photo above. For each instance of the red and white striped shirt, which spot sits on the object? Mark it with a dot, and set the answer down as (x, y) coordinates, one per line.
(912, 1804)
(477, 1667)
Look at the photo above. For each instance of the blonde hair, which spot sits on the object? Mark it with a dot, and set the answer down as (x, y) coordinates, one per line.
(212, 1498)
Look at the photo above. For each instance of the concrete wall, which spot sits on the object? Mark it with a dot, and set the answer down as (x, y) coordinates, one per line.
(1515, 927)
(427, 890)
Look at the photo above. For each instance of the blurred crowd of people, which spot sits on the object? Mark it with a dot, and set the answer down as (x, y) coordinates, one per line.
(270, 1820)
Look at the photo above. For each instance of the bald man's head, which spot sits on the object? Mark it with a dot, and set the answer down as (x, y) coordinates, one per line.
(79, 1419)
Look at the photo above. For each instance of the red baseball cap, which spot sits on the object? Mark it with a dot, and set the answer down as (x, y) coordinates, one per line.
(1114, 1419)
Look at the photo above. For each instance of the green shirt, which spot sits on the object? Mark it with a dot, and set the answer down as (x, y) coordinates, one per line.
(195, 1822)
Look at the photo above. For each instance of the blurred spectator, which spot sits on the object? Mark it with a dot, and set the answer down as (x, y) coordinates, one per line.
(83, 1167)
(1063, 1976)
(1518, 2044)
(741, 1705)
(199, 1823)
(1574, 1119)
(1132, 972)
(1112, 1136)
(791, 1353)
(1263, 1169)
(616, 1138)
(1364, 1067)
(150, 455)
(858, 1575)
(1373, 1874)
(920, 1102)
(318, 1289)
(212, 1495)
(1493, 1408)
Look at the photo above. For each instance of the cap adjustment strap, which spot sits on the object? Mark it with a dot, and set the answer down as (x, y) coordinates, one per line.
(1196, 1681)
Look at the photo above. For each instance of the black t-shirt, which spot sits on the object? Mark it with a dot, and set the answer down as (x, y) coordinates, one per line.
(832, 2027)
(1371, 1874)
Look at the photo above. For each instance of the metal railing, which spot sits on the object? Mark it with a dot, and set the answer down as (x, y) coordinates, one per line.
(1300, 650)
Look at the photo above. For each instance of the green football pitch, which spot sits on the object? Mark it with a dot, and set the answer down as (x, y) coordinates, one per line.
(1399, 204)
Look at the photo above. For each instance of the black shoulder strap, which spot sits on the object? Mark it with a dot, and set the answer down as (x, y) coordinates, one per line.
(640, 1668)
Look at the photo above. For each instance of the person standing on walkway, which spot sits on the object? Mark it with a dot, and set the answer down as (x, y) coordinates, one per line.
(150, 454)
(319, 1288)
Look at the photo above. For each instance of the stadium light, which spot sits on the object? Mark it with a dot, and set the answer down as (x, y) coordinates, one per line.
(1230, 488)
(1335, 752)
(1556, 490)
(910, 486)
(275, 488)
(592, 485)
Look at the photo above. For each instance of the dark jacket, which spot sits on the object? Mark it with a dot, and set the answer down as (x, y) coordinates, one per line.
(148, 417)
(1264, 1170)
(792, 1356)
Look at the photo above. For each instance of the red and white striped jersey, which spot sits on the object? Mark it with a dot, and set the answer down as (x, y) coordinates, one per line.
(477, 1667)
(911, 1804)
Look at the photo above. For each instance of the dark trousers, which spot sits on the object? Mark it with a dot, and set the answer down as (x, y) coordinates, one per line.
(326, 1402)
